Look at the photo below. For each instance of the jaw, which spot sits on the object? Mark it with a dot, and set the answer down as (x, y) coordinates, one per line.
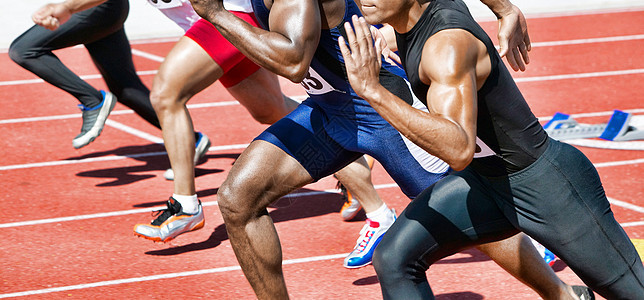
(372, 13)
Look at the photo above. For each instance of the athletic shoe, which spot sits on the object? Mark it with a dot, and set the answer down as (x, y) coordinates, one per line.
(170, 223)
(351, 206)
(549, 257)
(201, 148)
(583, 292)
(546, 254)
(94, 119)
(370, 237)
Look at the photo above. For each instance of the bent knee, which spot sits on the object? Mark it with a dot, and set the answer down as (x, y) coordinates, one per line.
(163, 98)
(18, 54)
(268, 115)
(388, 265)
(232, 204)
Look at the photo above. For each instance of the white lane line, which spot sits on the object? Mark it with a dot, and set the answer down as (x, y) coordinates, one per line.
(143, 210)
(579, 75)
(84, 77)
(619, 163)
(589, 41)
(134, 132)
(109, 158)
(632, 224)
(147, 55)
(626, 205)
(115, 112)
(163, 276)
(299, 98)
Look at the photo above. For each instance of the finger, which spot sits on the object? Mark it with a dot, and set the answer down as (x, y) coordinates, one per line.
(385, 54)
(526, 41)
(524, 53)
(512, 62)
(361, 39)
(518, 60)
(381, 50)
(351, 37)
(346, 53)
(369, 40)
(395, 57)
(503, 46)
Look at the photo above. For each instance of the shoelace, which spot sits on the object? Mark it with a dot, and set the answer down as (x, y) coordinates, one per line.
(343, 192)
(165, 213)
(366, 234)
(85, 108)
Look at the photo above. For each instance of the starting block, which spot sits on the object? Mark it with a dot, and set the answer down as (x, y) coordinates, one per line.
(563, 127)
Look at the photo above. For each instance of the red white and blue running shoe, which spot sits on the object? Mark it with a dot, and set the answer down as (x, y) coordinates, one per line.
(370, 236)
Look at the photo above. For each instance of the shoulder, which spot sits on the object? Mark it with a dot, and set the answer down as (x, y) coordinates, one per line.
(448, 53)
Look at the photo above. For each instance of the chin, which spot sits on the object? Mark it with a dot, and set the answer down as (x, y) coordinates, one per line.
(371, 17)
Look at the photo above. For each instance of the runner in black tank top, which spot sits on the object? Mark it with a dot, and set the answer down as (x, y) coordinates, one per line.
(505, 122)
(519, 178)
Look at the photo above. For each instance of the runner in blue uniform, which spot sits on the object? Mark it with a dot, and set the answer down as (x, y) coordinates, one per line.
(327, 131)
(508, 174)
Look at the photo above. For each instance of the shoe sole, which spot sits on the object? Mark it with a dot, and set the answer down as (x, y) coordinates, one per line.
(170, 238)
(92, 134)
(357, 267)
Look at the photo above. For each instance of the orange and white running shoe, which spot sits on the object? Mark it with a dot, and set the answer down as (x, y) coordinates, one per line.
(170, 223)
(351, 207)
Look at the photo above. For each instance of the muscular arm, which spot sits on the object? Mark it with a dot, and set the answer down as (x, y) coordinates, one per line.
(449, 65)
(289, 46)
(52, 15)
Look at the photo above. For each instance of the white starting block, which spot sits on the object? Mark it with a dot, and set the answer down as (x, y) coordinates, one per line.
(563, 127)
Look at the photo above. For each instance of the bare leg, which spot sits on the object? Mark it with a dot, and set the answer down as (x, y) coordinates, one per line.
(261, 175)
(269, 107)
(518, 257)
(356, 177)
(186, 70)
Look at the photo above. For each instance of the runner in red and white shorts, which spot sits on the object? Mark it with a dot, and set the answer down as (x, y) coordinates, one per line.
(201, 57)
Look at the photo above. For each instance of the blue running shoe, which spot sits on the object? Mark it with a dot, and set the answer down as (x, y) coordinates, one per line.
(549, 257)
(370, 237)
(201, 148)
(93, 120)
(546, 254)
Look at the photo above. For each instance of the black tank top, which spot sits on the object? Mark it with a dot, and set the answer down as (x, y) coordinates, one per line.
(505, 123)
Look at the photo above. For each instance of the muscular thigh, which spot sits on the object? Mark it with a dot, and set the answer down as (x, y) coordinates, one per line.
(186, 70)
(263, 173)
(261, 95)
(454, 214)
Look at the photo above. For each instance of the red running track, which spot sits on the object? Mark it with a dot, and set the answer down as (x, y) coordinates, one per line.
(68, 217)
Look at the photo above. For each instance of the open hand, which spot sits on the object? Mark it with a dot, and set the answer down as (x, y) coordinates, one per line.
(514, 40)
(361, 57)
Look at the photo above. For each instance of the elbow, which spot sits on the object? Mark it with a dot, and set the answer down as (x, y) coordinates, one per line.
(460, 162)
(296, 73)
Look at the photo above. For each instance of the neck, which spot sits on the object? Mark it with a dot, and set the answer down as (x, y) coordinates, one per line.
(408, 18)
